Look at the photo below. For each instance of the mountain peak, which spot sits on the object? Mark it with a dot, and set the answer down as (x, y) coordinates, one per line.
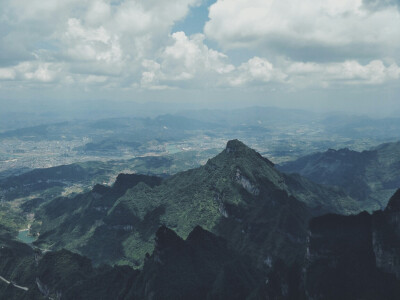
(200, 235)
(127, 181)
(166, 238)
(234, 146)
(238, 148)
(394, 202)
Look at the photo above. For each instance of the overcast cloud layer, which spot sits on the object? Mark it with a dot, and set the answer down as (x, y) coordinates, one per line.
(285, 45)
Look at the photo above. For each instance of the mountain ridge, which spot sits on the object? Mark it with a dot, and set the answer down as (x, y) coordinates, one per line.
(370, 176)
(238, 195)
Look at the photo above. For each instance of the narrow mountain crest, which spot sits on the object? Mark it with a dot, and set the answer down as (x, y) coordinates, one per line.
(237, 148)
(234, 146)
(166, 238)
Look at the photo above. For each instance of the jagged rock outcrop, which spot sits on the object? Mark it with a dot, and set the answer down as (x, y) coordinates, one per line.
(200, 267)
(246, 184)
(394, 203)
(355, 257)
(386, 236)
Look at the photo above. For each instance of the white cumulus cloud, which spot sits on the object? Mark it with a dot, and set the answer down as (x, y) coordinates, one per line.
(330, 29)
(256, 70)
(347, 72)
(187, 58)
(131, 44)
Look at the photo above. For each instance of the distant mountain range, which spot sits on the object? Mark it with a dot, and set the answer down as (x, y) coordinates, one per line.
(48, 183)
(281, 134)
(371, 176)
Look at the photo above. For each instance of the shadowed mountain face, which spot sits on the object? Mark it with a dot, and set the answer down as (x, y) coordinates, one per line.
(348, 257)
(238, 195)
(355, 257)
(200, 267)
(394, 203)
(368, 176)
(254, 240)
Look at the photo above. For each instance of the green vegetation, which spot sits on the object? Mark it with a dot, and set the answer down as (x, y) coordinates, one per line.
(370, 177)
(12, 218)
(251, 242)
(238, 195)
(71, 179)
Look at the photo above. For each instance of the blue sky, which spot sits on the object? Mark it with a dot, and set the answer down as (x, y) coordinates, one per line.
(195, 20)
(313, 54)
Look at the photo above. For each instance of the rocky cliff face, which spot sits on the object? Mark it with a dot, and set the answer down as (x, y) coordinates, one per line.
(386, 236)
(394, 203)
(355, 257)
(200, 267)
